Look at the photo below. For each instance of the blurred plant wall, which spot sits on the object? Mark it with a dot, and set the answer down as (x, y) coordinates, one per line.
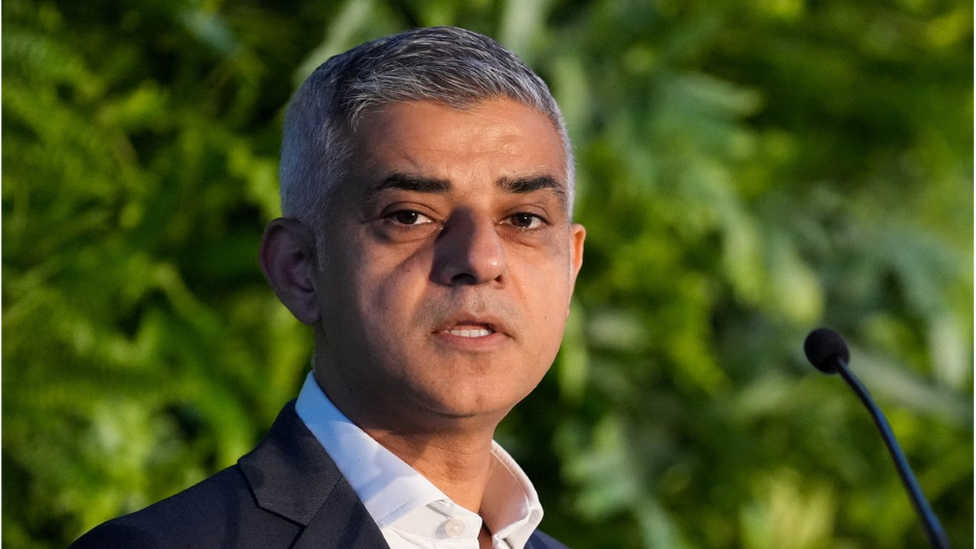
(747, 170)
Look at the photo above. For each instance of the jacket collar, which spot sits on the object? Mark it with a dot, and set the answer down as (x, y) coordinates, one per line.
(292, 476)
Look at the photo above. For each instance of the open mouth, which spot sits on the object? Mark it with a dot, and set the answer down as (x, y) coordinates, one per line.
(470, 332)
(470, 328)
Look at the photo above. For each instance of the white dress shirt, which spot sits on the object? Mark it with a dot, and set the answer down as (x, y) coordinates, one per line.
(410, 511)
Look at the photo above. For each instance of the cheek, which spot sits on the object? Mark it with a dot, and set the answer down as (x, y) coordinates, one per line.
(548, 277)
(388, 294)
(546, 294)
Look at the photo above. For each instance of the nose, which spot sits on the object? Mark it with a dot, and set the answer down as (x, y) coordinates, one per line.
(469, 251)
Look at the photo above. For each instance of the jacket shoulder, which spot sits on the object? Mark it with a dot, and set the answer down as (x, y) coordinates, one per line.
(542, 540)
(220, 511)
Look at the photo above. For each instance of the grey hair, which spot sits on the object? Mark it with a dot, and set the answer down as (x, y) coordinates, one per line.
(448, 65)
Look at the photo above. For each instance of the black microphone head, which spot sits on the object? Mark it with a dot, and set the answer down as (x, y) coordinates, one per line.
(822, 347)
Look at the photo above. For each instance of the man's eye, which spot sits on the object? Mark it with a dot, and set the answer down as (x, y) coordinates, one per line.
(526, 221)
(409, 217)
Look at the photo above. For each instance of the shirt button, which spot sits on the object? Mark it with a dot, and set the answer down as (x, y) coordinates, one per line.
(454, 527)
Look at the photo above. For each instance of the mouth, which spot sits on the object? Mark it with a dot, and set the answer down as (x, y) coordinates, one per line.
(470, 329)
(473, 327)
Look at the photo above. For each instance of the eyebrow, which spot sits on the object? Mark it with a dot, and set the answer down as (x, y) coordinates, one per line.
(517, 185)
(530, 184)
(404, 182)
(521, 185)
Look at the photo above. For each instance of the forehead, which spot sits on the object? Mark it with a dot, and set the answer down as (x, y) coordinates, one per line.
(488, 140)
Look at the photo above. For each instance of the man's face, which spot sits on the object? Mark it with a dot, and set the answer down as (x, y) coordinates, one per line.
(450, 261)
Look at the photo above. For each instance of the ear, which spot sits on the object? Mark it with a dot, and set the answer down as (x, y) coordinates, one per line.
(577, 236)
(288, 260)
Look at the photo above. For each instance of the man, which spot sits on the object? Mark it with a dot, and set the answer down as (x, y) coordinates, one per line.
(427, 189)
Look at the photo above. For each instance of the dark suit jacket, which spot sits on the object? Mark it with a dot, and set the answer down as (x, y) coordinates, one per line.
(286, 493)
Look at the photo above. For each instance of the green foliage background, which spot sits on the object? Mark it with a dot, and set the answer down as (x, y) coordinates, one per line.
(747, 170)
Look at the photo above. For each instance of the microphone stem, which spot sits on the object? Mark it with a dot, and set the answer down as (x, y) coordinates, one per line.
(933, 529)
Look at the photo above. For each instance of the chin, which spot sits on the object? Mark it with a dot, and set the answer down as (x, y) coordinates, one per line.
(491, 407)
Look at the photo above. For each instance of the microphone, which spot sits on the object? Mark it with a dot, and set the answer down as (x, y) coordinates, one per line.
(828, 352)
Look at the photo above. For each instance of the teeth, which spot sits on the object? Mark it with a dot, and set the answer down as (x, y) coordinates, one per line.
(470, 333)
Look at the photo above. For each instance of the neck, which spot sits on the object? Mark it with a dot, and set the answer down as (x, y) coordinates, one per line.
(453, 453)
(459, 466)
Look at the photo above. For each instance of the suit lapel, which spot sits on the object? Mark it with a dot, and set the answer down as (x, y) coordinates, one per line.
(292, 476)
(341, 523)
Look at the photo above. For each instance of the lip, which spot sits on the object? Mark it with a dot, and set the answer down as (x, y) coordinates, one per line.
(473, 322)
(472, 331)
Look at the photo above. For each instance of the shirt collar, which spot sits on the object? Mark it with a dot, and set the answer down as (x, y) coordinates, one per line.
(390, 489)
